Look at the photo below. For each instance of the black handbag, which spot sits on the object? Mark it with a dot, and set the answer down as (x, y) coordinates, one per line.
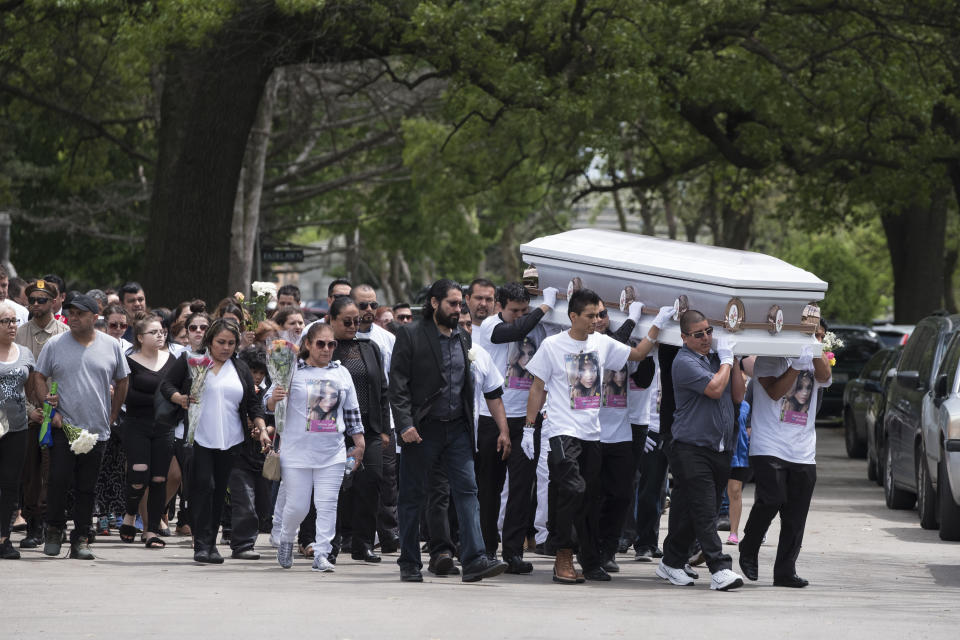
(165, 412)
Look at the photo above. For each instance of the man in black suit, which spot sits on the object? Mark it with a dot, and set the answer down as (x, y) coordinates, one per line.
(432, 397)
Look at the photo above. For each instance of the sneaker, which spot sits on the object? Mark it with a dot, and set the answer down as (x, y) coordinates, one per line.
(53, 541)
(644, 554)
(285, 555)
(275, 537)
(723, 523)
(320, 563)
(7, 552)
(80, 549)
(687, 569)
(725, 579)
(674, 576)
(103, 526)
(733, 539)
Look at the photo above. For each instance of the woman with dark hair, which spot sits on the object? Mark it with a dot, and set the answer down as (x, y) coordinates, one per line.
(357, 517)
(148, 444)
(230, 309)
(227, 401)
(290, 321)
(313, 455)
(117, 323)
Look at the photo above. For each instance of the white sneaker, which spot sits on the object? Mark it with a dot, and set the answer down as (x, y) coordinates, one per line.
(320, 563)
(275, 537)
(725, 579)
(675, 576)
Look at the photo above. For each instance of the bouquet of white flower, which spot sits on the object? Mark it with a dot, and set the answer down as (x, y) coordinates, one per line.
(263, 292)
(81, 441)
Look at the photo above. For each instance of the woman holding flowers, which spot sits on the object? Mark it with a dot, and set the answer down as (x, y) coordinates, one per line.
(313, 454)
(148, 444)
(16, 363)
(227, 398)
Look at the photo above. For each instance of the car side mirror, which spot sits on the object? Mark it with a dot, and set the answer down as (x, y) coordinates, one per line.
(909, 379)
(940, 390)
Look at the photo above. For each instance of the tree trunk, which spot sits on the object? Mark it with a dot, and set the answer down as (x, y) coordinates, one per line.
(508, 248)
(646, 213)
(621, 214)
(669, 213)
(246, 213)
(915, 239)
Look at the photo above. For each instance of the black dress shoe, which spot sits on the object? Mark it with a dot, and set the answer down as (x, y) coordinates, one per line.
(541, 549)
(644, 554)
(366, 556)
(390, 545)
(215, 557)
(610, 566)
(410, 574)
(483, 567)
(598, 574)
(202, 556)
(518, 566)
(749, 564)
(793, 581)
(245, 554)
(442, 565)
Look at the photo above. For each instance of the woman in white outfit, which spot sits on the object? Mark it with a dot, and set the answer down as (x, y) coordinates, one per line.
(312, 452)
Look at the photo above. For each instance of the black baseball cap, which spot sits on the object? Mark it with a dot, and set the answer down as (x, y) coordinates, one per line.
(83, 302)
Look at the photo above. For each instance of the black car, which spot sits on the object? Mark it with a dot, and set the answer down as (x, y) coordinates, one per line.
(859, 345)
(864, 402)
(908, 399)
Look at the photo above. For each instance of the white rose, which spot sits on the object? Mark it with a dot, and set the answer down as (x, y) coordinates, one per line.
(472, 354)
(264, 288)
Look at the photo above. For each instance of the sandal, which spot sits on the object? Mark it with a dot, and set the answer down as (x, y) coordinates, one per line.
(128, 533)
(156, 542)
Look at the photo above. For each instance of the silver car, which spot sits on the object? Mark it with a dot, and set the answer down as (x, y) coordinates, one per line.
(941, 445)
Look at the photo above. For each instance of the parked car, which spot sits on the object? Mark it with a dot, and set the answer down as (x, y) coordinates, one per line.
(910, 405)
(893, 335)
(864, 401)
(859, 345)
(940, 464)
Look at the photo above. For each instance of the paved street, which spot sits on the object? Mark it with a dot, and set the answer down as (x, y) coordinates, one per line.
(874, 573)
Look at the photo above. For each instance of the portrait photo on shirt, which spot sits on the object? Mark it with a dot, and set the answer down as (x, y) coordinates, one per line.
(583, 377)
(615, 388)
(796, 404)
(323, 402)
(518, 356)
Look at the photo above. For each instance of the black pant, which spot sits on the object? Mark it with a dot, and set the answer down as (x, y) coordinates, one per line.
(387, 526)
(438, 523)
(81, 471)
(210, 476)
(360, 497)
(574, 486)
(618, 464)
(651, 488)
(249, 499)
(491, 472)
(13, 451)
(149, 443)
(700, 476)
(785, 488)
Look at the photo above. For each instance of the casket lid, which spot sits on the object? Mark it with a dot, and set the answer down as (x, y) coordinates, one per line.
(671, 258)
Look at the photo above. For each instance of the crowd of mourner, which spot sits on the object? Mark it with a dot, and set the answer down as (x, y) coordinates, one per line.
(473, 431)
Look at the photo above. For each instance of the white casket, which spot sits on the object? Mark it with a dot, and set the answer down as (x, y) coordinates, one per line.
(769, 305)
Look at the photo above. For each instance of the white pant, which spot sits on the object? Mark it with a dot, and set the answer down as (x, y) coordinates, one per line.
(543, 478)
(325, 485)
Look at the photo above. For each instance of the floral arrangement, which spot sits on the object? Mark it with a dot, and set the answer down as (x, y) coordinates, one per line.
(81, 441)
(46, 436)
(263, 293)
(830, 343)
(199, 364)
(281, 361)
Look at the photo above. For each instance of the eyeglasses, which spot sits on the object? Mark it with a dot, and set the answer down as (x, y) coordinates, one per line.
(117, 325)
(349, 322)
(602, 314)
(326, 344)
(198, 327)
(39, 300)
(364, 305)
(8, 321)
(699, 334)
(404, 317)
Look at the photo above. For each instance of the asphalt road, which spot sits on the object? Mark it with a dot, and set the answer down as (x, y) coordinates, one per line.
(874, 573)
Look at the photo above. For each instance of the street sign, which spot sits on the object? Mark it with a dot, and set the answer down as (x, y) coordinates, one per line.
(281, 255)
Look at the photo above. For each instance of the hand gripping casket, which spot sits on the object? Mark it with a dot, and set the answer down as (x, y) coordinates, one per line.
(770, 306)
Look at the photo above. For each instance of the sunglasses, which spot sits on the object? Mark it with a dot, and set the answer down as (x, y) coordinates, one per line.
(349, 322)
(602, 314)
(198, 327)
(39, 300)
(404, 318)
(326, 344)
(365, 305)
(117, 325)
(700, 334)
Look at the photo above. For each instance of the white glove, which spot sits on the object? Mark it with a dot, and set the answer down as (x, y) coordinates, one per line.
(663, 316)
(725, 345)
(635, 311)
(527, 442)
(550, 297)
(805, 361)
(649, 445)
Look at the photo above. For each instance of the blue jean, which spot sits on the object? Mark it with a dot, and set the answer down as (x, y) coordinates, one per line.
(452, 443)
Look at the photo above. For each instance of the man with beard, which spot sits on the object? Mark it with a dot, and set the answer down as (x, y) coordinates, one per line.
(431, 394)
(481, 301)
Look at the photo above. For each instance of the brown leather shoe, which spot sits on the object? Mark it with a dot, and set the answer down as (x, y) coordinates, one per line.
(563, 571)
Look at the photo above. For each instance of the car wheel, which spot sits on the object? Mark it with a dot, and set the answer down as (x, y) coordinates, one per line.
(926, 496)
(895, 497)
(856, 446)
(949, 510)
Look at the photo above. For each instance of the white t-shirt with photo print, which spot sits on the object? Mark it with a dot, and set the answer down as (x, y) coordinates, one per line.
(510, 359)
(572, 374)
(785, 428)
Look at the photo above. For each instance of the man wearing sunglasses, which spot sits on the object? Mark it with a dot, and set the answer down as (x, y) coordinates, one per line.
(703, 438)
(41, 296)
(402, 313)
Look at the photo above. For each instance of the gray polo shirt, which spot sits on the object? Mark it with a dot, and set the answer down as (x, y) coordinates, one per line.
(449, 404)
(698, 419)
